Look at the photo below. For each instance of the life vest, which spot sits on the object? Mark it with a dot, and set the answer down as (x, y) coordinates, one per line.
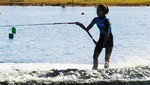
(100, 24)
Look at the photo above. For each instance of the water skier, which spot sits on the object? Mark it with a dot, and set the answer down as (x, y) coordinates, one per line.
(106, 37)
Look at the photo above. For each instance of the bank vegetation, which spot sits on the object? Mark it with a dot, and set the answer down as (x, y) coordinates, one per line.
(76, 2)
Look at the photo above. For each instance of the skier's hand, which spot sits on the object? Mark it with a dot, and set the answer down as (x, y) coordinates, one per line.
(81, 25)
(78, 23)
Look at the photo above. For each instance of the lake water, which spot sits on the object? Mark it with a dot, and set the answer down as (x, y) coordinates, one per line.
(69, 43)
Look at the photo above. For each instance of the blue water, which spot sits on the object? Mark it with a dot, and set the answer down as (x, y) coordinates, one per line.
(69, 43)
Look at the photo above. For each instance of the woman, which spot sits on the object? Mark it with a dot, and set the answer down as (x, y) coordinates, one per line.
(106, 37)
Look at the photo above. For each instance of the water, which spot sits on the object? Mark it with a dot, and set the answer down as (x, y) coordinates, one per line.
(69, 43)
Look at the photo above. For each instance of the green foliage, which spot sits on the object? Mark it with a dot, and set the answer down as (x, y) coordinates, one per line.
(79, 2)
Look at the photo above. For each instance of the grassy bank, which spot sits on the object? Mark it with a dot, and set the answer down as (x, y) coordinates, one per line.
(75, 2)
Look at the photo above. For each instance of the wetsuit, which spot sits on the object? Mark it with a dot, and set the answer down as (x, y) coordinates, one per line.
(105, 39)
(101, 24)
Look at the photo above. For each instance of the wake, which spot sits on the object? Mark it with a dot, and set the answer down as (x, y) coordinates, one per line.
(71, 74)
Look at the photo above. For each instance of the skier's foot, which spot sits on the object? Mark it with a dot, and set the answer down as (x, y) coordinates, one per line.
(106, 65)
(94, 68)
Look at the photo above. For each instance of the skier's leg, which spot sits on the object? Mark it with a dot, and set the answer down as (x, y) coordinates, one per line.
(107, 56)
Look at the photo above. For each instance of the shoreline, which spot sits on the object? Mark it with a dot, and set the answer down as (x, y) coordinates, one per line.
(71, 4)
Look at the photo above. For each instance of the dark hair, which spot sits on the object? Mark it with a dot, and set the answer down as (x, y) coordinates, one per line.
(104, 8)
